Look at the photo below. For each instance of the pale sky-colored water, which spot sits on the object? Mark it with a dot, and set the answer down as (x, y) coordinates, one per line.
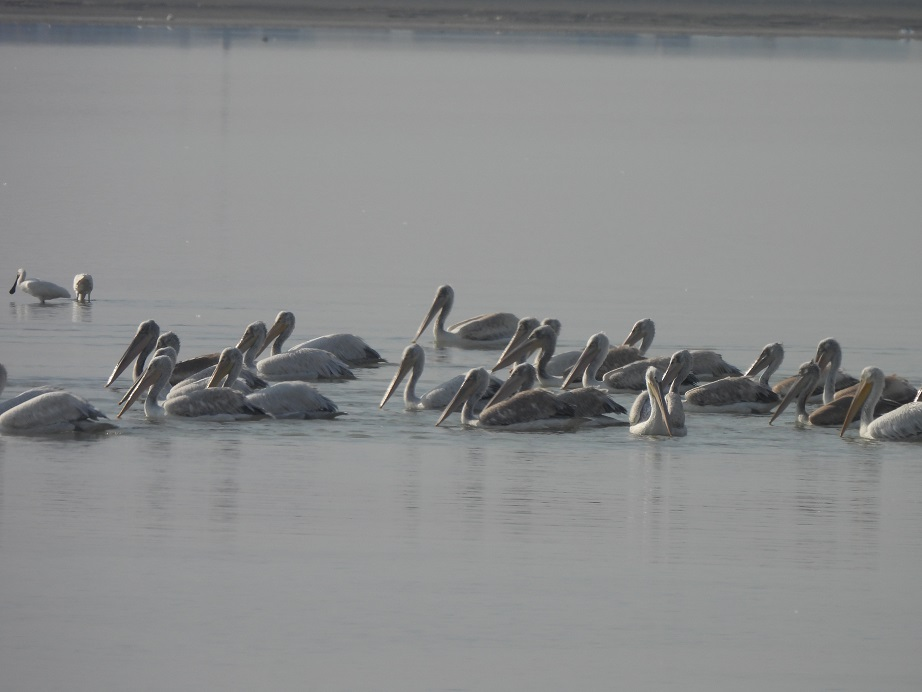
(738, 191)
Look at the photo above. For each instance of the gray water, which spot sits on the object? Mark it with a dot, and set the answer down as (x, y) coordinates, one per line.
(737, 191)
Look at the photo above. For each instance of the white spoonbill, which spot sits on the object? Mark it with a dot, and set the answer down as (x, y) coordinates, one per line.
(83, 287)
(38, 288)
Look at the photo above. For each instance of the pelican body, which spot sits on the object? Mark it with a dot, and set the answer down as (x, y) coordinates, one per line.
(658, 421)
(306, 364)
(904, 423)
(83, 287)
(534, 409)
(491, 331)
(741, 394)
(679, 368)
(38, 288)
(413, 361)
(349, 348)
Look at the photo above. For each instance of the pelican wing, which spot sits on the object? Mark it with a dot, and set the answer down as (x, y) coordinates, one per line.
(349, 348)
(294, 400)
(304, 364)
(710, 364)
(526, 407)
(589, 402)
(496, 325)
(731, 390)
(219, 403)
(905, 423)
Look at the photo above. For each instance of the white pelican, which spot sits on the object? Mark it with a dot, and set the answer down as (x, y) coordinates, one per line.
(484, 331)
(43, 410)
(303, 364)
(829, 358)
(658, 421)
(83, 287)
(807, 378)
(288, 400)
(535, 409)
(148, 337)
(904, 423)
(542, 339)
(37, 288)
(677, 371)
(740, 394)
(630, 377)
(523, 329)
(587, 402)
(230, 365)
(218, 403)
(349, 348)
(413, 361)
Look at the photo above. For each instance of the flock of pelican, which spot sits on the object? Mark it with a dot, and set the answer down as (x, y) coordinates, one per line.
(558, 391)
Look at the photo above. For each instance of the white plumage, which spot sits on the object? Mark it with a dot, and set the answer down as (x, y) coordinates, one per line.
(38, 288)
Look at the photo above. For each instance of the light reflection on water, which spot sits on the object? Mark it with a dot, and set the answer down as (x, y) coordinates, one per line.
(216, 187)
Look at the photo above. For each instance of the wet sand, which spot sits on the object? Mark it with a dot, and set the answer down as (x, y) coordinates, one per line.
(885, 19)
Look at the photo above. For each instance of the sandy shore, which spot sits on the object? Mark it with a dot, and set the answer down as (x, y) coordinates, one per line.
(865, 18)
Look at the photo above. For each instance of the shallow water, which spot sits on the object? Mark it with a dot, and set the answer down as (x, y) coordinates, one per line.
(738, 191)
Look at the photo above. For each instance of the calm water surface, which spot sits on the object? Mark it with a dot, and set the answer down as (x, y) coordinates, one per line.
(738, 191)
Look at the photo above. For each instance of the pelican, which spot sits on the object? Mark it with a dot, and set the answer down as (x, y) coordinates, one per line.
(38, 288)
(148, 338)
(543, 339)
(349, 348)
(230, 367)
(44, 410)
(829, 358)
(303, 364)
(535, 409)
(288, 400)
(740, 394)
(491, 331)
(658, 421)
(217, 403)
(905, 423)
(523, 329)
(630, 377)
(413, 361)
(591, 403)
(807, 378)
(83, 287)
(677, 371)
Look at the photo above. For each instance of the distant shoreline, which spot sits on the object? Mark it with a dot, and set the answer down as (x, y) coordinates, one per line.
(845, 18)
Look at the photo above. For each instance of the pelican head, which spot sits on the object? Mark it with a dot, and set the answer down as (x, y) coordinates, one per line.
(870, 387)
(769, 360)
(553, 324)
(642, 332)
(253, 339)
(595, 350)
(280, 330)
(680, 365)
(413, 358)
(140, 347)
(155, 377)
(230, 363)
(828, 351)
(525, 327)
(543, 337)
(523, 376)
(473, 387)
(653, 379)
(444, 299)
(809, 374)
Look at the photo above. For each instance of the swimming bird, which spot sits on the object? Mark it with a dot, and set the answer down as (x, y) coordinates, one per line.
(740, 394)
(534, 409)
(45, 410)
(677, 371)
(140, 347)
(306, 364)
(544, 340)
(83, 287)
(349, 348)
(413, 361)
(491, 331)
(38, 288)
(591, 403)
(216, 403)
(285, 400)
(807, 378)
(523, 329)
(904, 423)
(630, 377)
(658, 421)
(829, 358)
